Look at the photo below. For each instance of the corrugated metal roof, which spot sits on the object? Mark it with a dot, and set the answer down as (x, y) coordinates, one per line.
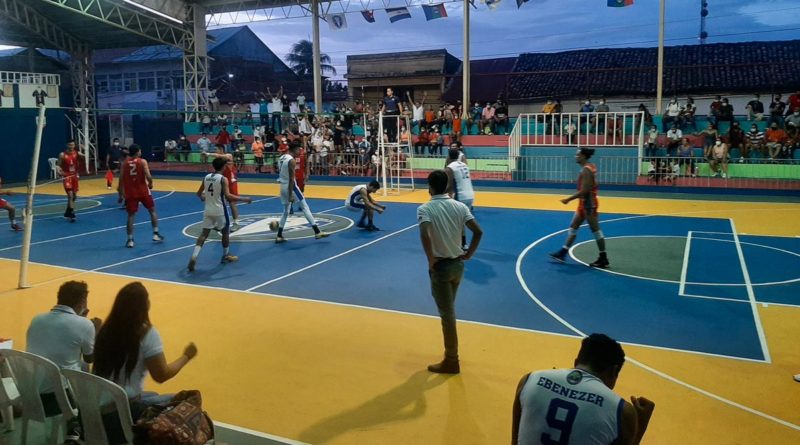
(11, 51)
(166, 52)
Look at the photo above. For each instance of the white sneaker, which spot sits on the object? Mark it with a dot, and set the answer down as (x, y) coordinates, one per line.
(129, 244)
(797, 378)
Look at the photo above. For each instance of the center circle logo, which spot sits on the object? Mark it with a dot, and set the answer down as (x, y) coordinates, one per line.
(256, 227)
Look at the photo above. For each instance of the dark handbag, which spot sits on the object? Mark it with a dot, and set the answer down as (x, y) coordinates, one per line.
(181, 422)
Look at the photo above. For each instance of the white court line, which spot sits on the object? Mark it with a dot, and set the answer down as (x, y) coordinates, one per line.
(369, 308)
(685, 265)
(78, 235)
(636, 362)
(310, 266)
(751, 295)
(273, 438)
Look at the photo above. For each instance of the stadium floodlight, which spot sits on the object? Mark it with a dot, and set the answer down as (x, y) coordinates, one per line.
(153, 11)
(230, 75)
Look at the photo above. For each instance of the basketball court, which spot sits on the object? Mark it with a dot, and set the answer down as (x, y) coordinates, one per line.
(326, 341)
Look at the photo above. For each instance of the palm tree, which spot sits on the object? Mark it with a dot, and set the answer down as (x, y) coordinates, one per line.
(301, 60)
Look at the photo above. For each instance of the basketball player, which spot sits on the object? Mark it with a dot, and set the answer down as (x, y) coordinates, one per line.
(68, 170)
(134, 187)
(587, 209)
(300, 171)
(214, 191)
(459, 185)
(12, 211)
(577, 405)
(360, 199)
(233, 182)
(291, 193)
(461, 156)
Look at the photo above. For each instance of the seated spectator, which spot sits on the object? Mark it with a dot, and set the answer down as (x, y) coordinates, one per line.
(714, 110)
(755, 108)
(754, 140)
(206, 125)
(170, 150)
(434, 141)
(595, 372)
(184, 147)
(487, 118)
(686, 157)
(710, 134)
(776, 109)
(570, 131)
(652, 170)
(719, 158)
(128, 348)
(687, 116)
(725, 112)
(548, 110)
(614, 128)
(775, 139)
(672, 115)
(205, 147)
(792, 139)
(501, 118)
(651, 150)
(430, 117)
(794, 118)
(422, 142)
(66, 337)
(648, 117)
(736, 136)
(674, 136)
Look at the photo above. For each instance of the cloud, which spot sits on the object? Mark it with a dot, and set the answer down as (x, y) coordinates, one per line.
(773, 13)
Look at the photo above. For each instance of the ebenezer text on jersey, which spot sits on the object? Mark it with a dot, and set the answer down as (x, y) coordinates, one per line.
(570, 393)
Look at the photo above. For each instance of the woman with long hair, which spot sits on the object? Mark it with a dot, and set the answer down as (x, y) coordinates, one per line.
(128, 347)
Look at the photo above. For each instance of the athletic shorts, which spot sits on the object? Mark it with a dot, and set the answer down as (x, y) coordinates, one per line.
(218, 222)
(584, 211)
(234, 186)
(71, 184)
(301, 184)
(296, 194)
(355, 206)
(132, 204)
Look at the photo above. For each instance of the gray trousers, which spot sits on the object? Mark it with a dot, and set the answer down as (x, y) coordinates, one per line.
(445, 278)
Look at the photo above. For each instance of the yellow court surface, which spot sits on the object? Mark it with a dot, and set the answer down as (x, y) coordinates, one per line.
(330, 373)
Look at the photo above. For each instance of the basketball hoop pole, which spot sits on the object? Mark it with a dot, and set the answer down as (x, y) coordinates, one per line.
(26, 236)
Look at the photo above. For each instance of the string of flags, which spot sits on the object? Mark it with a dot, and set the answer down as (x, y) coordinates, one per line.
(338, 21)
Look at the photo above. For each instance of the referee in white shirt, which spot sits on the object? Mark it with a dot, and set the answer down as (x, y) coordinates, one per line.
(441, 222)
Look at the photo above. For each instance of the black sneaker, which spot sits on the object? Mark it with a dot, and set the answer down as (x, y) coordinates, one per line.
(559, 256)
(601, 262)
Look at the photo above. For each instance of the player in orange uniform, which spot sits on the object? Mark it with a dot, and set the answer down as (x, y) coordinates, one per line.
(587, 209)
(300, 172)
(229, 172)
(68, 170)
(134, 186)
(11, 209)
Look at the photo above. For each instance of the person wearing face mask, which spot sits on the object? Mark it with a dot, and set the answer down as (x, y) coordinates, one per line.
(754, 141)
(602, 108)
(687, 114)
(725, 111)
(587, 114)
(776, 109)
(719, 158)
(184, 148)
(794, 118)
(548, 109)
(672, 115)
(755, 109)
(776, 137)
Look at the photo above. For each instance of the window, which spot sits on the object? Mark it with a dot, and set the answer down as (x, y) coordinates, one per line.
(102, 86)
(147, 84)
(130, 84)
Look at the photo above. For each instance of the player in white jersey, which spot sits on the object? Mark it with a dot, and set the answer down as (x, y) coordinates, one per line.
(360, 200)
(459, 185)
(461, 156)
(290, 192)
(214, 191)
(578, 406)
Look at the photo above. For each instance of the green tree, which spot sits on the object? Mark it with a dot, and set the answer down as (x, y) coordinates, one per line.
(301, 60)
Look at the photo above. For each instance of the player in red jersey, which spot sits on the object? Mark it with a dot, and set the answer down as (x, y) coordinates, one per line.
(300, 171)
(587, 209)
(11, 209)
(134, 187)
(229, 172)
(68, 170)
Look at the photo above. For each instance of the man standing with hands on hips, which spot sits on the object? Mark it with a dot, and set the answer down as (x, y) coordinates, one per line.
(441, 222)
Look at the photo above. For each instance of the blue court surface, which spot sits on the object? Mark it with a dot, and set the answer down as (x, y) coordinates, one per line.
(675, 282)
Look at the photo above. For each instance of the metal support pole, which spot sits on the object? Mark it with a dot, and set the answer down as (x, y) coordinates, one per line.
(26, 236)
(660, 80)
(465, 64)
(317, 63)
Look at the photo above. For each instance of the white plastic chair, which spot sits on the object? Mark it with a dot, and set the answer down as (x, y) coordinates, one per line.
(33, 376)
(53, 167)
(95, 396)
(8, 396)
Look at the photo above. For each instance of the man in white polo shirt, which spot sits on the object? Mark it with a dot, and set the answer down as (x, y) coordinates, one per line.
(441, 222)
(66, 337)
